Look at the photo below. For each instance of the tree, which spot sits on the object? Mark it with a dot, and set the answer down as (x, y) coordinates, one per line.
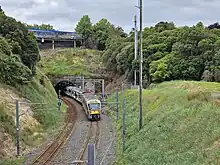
(169, 53)
(40, 27)
(214, 26)
(161, 26)
(84, 28)
(19, 51)
(12, 70)
(102, 31)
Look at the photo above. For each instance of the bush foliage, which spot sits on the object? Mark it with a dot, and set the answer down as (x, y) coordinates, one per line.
(169, 53)
(19, 52)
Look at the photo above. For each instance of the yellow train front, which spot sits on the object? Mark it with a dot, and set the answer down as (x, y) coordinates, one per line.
(92, 106)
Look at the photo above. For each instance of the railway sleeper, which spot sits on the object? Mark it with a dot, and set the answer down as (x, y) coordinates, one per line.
(79, 161)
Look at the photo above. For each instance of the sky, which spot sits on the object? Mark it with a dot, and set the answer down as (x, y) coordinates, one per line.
(64, 14)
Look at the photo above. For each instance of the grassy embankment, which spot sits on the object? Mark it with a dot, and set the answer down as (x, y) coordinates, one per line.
(181, 125)
(40, 90)
(72, 62)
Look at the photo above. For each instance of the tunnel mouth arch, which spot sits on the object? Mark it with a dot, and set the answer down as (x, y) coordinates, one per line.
(62, 86)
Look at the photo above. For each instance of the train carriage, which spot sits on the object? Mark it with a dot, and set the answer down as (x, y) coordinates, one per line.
(92, 106)
(75, 93)
(90, 102)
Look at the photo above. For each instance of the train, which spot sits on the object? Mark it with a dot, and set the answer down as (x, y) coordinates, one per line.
(91, 103)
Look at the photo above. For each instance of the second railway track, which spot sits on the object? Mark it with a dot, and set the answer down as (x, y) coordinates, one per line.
(93, 136)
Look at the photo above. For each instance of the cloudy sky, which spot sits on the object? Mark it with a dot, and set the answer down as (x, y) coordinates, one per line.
(64, 14)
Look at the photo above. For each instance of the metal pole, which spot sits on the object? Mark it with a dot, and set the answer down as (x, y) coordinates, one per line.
(74, 43)
(53, 43)
(91, 154)
(59, 93)
(141, 61)
(116, 103)
(103, 90)
(17, 129)
(59, 101)
(94, 86)
(135, 47)
(123, 125)
(83, 82)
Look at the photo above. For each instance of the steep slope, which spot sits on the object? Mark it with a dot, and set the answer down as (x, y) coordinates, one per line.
(40, 118)
(180, 125)
(72, 61)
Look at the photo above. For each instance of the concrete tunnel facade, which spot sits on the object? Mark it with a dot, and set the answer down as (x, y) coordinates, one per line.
(62, 85)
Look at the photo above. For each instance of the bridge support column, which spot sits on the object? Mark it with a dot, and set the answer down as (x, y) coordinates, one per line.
(53, 47)
(74, 43)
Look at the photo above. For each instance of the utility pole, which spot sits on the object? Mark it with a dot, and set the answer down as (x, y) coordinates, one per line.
(123, 125)
(103, 90)
(17, 128)
(117, 103)
(141, 61)
(135, 47)
(59, 100)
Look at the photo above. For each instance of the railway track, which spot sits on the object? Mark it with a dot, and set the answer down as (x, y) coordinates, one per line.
(92, 137)
(62, 137)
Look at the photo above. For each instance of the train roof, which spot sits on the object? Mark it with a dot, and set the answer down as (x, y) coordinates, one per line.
(75, 89)
(89, 96)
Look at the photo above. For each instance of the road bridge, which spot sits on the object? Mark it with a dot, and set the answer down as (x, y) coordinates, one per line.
(56, 39)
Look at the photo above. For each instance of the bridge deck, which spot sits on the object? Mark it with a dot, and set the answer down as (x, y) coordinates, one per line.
(54, 35)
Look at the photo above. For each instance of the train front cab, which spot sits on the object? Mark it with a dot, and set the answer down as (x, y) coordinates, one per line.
(94, 110)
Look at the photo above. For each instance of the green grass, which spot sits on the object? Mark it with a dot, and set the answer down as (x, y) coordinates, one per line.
(18, 161)
(39, 90)
(71, 61)
(6, 121)
(181, 125)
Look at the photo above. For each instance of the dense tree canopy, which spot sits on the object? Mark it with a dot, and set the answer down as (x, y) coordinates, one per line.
(40, 27)
(19, 52)
(84, 28)
(97, 35)
(170, 53)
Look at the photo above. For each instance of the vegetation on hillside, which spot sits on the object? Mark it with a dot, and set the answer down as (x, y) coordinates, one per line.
(40, 27)
(18, 52)
(39, 90)
(180, 125)
(169, 53)
(73, 62)
(97, 35)
(180, 118)
(19, 55)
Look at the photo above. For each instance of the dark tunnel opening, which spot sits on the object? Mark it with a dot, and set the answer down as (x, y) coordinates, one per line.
(62, 85)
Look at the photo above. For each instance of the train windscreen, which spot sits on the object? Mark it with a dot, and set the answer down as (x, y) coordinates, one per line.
(94, 106)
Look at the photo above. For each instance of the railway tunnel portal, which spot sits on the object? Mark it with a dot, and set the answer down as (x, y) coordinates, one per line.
(95, 86)
(62, 85)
